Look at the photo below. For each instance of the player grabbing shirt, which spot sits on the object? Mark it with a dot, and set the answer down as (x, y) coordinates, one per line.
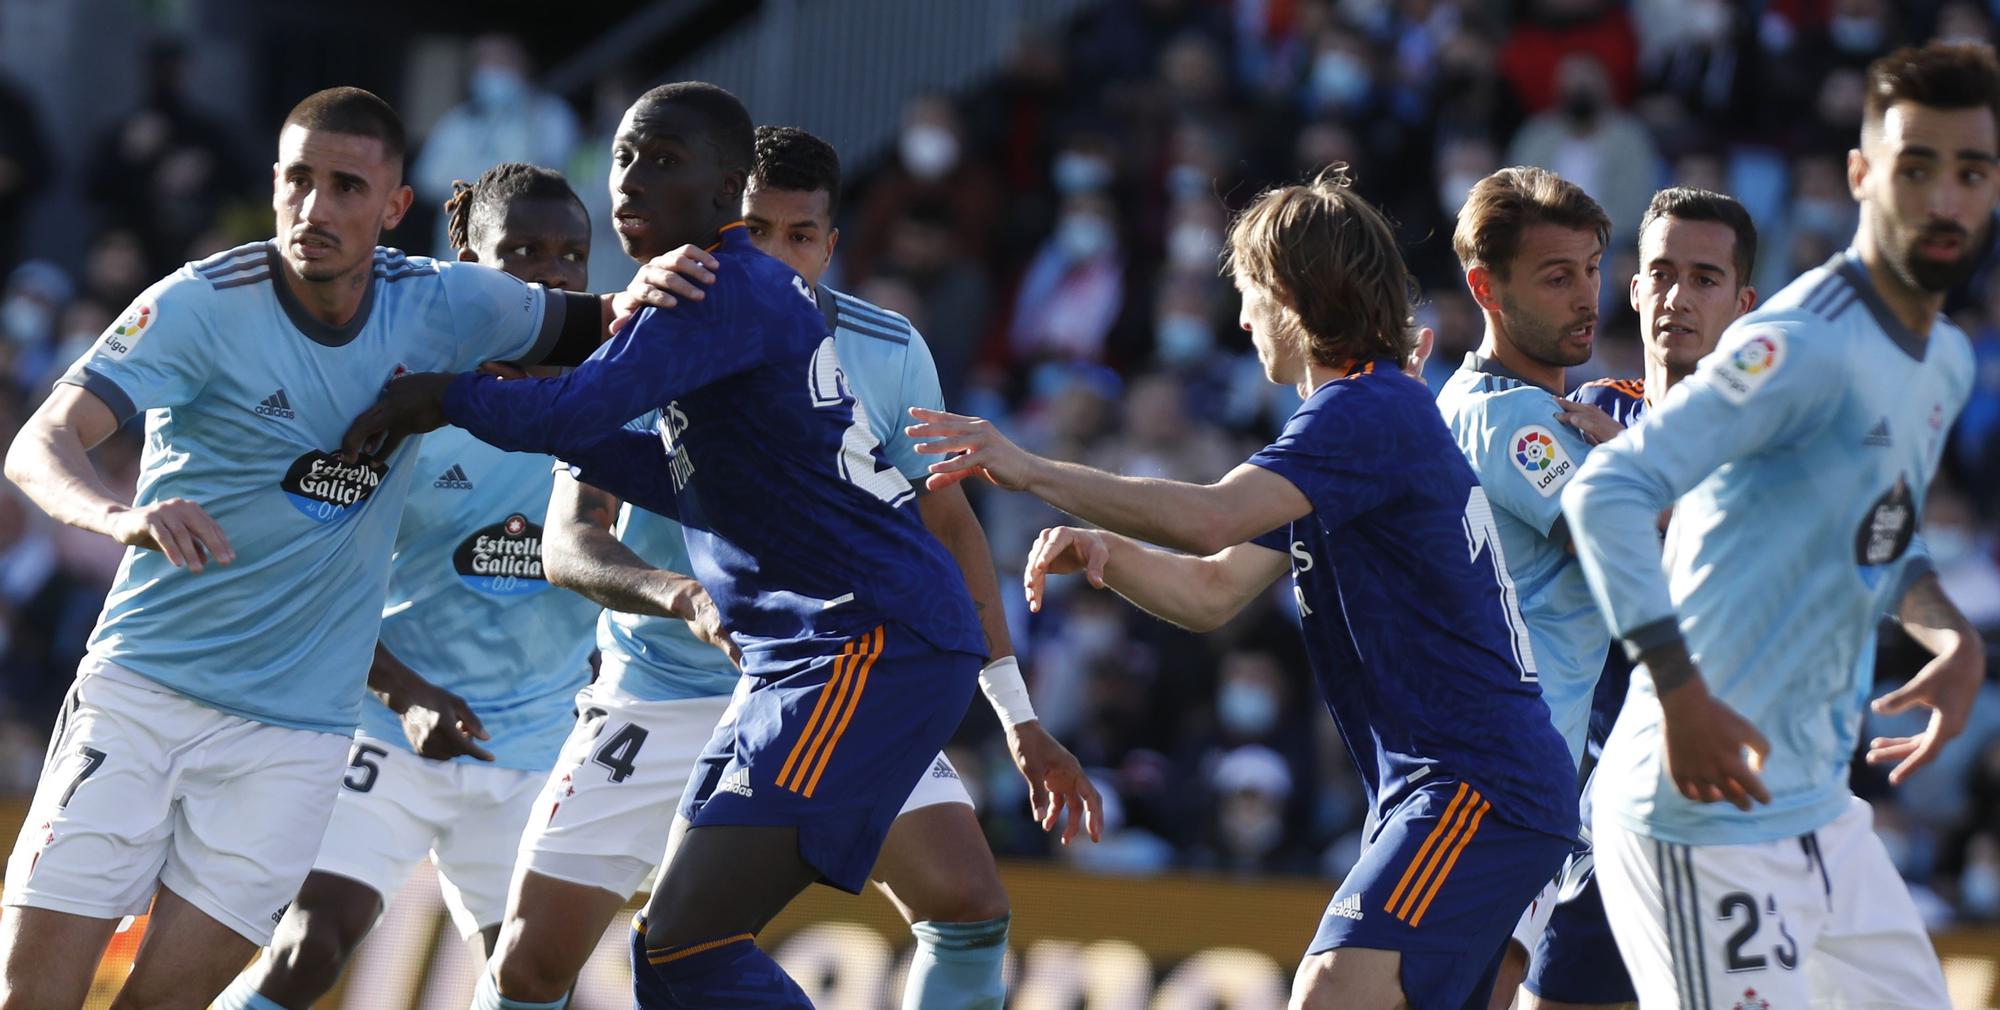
(1799, 453)
(1399, 574)
(470, 612)
(202, 746)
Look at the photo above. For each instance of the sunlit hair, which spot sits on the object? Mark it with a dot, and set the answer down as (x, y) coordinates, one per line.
(1686, 203)
(1507, 203)
(1329, 259)
(1938, 75)
(352, 111)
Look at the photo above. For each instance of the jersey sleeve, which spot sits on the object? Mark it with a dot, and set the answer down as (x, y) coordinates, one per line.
(1340, 471)
(1527, 457)
(1761, 390)
(1279, 540)
(496, 317)
(661, 355)
(918, 387)
(629, 464)
(160, 353)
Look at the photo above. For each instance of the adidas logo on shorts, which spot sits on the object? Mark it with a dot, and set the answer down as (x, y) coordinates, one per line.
(942, 769)
(1348, 907)
(453, 479)
(738, 782)
(276, 405)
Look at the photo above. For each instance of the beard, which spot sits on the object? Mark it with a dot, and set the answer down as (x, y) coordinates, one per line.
(1932, 276)
(1541, 339)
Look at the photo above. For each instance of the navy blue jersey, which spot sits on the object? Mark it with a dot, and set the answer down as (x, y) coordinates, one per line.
(1623, 399)
(798, 529)
(1410, 619)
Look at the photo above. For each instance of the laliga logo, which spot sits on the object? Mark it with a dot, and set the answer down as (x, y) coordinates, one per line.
(134, 321)
(1754, 357)
(1535, 451)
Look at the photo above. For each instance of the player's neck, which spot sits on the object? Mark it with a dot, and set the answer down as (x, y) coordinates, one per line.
(1660, 378)
(1915, 307)
(334, 301)
(1499, 348)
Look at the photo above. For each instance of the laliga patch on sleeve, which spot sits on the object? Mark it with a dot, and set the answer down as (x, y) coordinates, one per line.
(1541, 459)
(1752, 364)
(124, 334)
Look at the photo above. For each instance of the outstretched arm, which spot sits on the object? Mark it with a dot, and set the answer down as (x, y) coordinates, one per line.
(1196, 593)
(1198, 518)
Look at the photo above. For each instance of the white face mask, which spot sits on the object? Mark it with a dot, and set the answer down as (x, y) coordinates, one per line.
(25, 320)
(497, 87)
(929, 152)
(1193, 246)
(1084, 236)
(1075, 172)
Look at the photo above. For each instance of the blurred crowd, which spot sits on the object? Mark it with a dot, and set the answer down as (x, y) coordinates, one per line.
(1054, 233)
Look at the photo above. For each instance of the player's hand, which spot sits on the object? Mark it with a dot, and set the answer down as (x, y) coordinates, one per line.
(1589, 420)
(178, 528)
(1056, 782)
(1426, 343)
(1061, 550)
(977, 446)
(663, 282)
(438, 723)
(1947, 686)
(410, 404)
(698, 609)
(1706, 742)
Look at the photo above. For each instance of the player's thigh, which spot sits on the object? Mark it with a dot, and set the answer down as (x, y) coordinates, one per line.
(1704, 925)
(252, 811)
(1874, 950)
(551, 929)
(48, 958)
(724, 880)
(186, 959)
(477, 847)
(935, 865)
(101, 821)
(1350, 978)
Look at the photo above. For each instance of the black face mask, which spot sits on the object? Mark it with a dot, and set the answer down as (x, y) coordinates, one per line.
(1581, 107)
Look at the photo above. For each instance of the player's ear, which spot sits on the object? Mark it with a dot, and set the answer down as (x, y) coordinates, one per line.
(734, 182)
(399, 205)
(1632, 291)
(1857, 172)
(832, 242)
(1746, 299)
(1479, 281)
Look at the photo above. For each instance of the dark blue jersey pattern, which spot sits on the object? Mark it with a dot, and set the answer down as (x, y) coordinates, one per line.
(795, 525)
(1409, 618)
(1623, 399)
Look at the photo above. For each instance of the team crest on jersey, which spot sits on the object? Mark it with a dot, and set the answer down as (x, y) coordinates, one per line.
(1752, 1001)
(1751, 365)
(504, 559)
(1541, 459)
(324, 488)
(1887, 527)
(124, 335)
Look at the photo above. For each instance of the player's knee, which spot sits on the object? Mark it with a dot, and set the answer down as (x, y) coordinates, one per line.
(531, 972)
(1349, 979)
(971, 900)
(305, 961)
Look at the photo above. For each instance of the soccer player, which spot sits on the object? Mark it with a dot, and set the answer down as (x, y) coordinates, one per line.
(599, 832)
(202, 745)
(1400, 580)
(860, 643)
(1696, 253)
(470, 611)
(1799, 453)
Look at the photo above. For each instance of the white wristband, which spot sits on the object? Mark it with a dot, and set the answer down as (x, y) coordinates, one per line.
(1001, 683)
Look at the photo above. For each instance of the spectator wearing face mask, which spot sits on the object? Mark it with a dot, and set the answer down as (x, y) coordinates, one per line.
(1074, 288)
(505, 117)
(1251, 786)
(933, 166)
(1588, 140)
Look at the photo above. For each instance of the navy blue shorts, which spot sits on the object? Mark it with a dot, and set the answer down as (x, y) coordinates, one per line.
(1577, 960)
(834, 747)
(1442, 882)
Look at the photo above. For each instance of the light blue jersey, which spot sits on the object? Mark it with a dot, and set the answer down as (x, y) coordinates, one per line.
(1800, 452)
(1506, 426)
(889, 369)
(245, 394)
(468, 608)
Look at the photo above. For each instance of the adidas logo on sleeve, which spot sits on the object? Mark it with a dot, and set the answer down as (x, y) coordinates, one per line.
(277, 405)
(453, 479)
(1348, 907)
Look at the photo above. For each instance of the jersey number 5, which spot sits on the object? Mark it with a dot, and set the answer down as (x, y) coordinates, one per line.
(856, 460)
(1482, 533)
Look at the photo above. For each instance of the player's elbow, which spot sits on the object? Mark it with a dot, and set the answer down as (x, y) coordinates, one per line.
(562, 555)
(26, 457)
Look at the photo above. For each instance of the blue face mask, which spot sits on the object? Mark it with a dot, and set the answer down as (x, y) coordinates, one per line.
(1075, 172)
(1246, 711)
(1339, 80)
(497, 87)
(1084, 236)
(1182, 339)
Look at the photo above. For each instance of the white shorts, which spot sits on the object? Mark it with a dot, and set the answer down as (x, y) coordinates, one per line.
(144, 786)
(1822, 920)
(1535, 919)
(603, 818)
(396, 807)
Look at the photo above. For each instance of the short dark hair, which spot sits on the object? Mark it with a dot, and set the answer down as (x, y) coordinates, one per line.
(1330, 258)
(730, 131)
(1941, 75)
(477, 206)
(1686, 203)
(1506, 203)
(790, 158)
(352, 111)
